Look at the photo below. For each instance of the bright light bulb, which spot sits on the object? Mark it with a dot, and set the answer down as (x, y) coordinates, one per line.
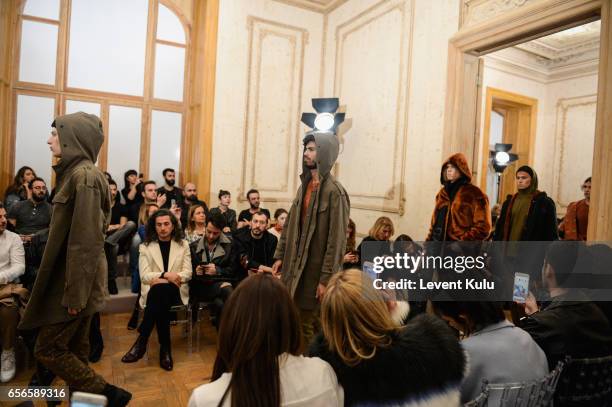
(501, 157)
(324, 121)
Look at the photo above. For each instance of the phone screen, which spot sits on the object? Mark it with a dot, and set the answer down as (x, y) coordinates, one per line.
(520, 290)
(368, 268)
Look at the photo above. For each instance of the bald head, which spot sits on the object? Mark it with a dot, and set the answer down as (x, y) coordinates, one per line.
(190, 192)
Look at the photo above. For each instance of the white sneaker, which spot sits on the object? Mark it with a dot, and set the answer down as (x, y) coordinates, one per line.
(7, 360)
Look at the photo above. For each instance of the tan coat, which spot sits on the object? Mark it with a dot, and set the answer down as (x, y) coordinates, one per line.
(151, 266)
(311, 254)
(73, 269)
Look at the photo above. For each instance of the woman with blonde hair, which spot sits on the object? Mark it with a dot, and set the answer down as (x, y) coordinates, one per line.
(196, 223)
(379, 363)
(380, 232)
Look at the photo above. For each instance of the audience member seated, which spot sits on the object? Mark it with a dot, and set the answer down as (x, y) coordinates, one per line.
(254, 200)
(32, 215)
(381, 232)
(498, 351)
(12, 265)
(211, 259)
(149, 195)
(190, 198)
(18, 190)
(196, 225)
(165, 269)
(225, 199)
(280, 217)
(570, 324)
(351, 256)
(378, 363)
(259, 359)
(130, 192)
(174, 195)
(118, 234)
(254, 248)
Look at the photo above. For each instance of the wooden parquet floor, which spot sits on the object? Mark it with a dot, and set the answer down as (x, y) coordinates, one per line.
(149, 384)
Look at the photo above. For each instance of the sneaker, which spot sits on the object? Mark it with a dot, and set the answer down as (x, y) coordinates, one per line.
(7, 360)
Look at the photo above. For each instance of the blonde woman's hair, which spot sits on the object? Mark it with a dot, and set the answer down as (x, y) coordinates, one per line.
(379, 225)
(143, 214)
(354, 317)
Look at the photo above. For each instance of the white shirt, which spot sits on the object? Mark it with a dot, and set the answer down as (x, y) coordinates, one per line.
(304, 382)
(12, 257)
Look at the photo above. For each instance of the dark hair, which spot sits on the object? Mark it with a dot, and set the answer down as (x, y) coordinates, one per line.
(151, 232)
(144, 184)
(351, 242)
(562, 257)
(587, 180)
(251, 191)
(308, 139)
(279, 212)
(166, 170)
(17, 185)
(404, 238)
(217, 219)
(108, 176)
(1, 205)
(223, 192)
(249, 347)
(126, 183)
(478, 314)
(31, 183)
(112, 182)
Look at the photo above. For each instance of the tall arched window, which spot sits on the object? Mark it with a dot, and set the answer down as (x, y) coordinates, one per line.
(124, 61)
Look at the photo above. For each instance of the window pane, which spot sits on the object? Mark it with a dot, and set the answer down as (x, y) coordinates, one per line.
(123, 140)
(107, 45)
(169, 26)
(42, 8)
(73, 106)
(38, 52)
(165, 149)
(169, 72)
(34, 117)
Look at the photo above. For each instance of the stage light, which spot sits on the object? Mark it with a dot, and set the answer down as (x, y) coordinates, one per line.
(502, 158)
(326, 119)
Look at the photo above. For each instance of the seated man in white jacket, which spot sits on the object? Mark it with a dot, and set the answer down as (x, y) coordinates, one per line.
(165, 269)
(259, 354)
(12, 265)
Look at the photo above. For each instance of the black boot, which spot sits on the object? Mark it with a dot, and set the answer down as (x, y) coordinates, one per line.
(112, 287)
(165, 358)
(137, 351)
(117, 397)
(133, 322)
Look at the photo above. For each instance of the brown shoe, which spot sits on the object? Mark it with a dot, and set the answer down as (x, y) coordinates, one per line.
(165, 359)
(137, 351)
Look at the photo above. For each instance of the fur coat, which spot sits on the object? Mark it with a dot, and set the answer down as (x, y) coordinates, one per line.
(424, 366)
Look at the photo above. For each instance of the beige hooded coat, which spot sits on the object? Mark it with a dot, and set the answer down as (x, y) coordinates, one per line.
(73, 270)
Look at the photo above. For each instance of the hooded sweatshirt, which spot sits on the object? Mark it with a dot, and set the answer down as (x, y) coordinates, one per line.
(72, 272)
(312, 247)
(522, 202)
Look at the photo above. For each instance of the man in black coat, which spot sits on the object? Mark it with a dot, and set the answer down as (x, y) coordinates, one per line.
(254, 247)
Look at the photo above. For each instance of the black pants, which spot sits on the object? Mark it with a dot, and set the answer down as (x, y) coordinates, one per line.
(95, 334)
(210, 292)
(157, 312)
(114, 242)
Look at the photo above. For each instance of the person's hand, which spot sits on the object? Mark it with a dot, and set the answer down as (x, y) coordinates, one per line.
(161, 200)
(26, 238)
(159, 281)
(531, 305)
(250, 272)
(265, 269)
(176, 211)
(199, 270)
(210, 269)
(244, 261)
(174, 278)
(351, 258)
(227, 229)
(276, 267)
(320, 291)
(73, 311)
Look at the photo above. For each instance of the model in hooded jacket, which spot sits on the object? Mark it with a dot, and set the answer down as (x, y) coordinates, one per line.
(71, 282)
(462, 209)
(311, 247)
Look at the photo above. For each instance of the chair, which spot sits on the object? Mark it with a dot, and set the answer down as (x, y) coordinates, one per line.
(480, 401)
(186, 309)
(536, 393)
(200, 306)
(586, 382)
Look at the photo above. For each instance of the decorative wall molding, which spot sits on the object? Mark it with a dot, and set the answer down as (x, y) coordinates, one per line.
(272, 121)
(318, 6)
(475, 11)
(392, 200)
(560, 159)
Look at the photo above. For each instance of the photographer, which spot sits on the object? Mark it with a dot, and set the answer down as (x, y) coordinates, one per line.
(212, 272)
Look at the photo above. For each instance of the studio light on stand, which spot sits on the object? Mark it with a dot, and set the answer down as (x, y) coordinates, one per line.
(325, 119)
(501, 158)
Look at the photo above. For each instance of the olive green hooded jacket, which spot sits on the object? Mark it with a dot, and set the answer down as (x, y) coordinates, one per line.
(73, 270)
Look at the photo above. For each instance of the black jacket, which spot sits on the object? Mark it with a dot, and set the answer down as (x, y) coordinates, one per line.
(229, 215)
(575, 328)
(541, 224)
(221, 257)
(425, 364)
(243, 245)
